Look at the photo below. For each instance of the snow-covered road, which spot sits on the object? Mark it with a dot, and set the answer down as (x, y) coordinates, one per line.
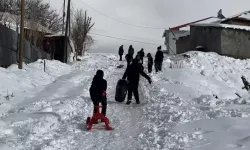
(54, 118)
(178, 111)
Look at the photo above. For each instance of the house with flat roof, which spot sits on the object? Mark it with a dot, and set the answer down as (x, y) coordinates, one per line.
(230, 36)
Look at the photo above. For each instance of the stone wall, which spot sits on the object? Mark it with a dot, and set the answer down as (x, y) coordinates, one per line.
(208, 37)
(235, 43)
(183, 44)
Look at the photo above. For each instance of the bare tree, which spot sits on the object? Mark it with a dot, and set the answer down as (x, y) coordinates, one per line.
(89, 42)
(80, 29)
(35, 10)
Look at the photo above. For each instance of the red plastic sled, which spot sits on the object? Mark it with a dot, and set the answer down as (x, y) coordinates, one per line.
(90, 121)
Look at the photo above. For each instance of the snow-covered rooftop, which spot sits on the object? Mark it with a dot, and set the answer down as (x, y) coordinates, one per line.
(244, 15)
(211, 20)
(54, 35)
(246, 28)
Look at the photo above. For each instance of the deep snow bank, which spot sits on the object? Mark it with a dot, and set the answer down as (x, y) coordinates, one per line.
(17, 84)
(208, 74)
(190, 107)
(202, 88)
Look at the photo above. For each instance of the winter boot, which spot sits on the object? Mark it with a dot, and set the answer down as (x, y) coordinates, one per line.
(128, 102)
(137, 102)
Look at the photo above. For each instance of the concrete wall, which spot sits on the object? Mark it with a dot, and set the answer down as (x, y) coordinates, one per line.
(9, 46)
(171, 37)
(183, 44)
(208, 37)
(235, 43)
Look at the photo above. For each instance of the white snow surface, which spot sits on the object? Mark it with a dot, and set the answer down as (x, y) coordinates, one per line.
(242, 15)
(245, 15)
(246, 28)
(191, 105)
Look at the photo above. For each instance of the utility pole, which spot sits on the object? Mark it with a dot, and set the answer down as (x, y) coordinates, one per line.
(63, 16)
(21, 43)
(69, 20)
(66, 33)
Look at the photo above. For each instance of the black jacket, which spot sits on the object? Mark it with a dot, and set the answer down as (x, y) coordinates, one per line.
(121, 51)
(131, 51)
(142, 54)
(98, 86)
(150, 61)
(133, 73)
(159, 57)
(129, 58)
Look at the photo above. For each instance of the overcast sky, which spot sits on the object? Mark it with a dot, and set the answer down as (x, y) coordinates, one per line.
(152, 13)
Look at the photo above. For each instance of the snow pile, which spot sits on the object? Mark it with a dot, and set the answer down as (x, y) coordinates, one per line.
(203, 89)
(15, 82)
(200, 105)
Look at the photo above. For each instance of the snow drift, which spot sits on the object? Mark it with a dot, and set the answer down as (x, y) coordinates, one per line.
(200, 104)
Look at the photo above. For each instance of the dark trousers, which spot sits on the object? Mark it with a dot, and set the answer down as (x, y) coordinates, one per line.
(158, 66)
(150, 66)
(120, 57)
(133, 88)
(141, 60)
(104, 105)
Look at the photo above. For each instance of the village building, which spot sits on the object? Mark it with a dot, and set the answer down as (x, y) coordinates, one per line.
(229, 36)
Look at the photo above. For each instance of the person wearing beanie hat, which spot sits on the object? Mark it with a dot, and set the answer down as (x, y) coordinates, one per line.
(158, 59)
(98, 91)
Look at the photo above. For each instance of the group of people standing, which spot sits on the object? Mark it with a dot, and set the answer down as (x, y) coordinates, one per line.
(135, 69)
(132, 74)
(140, 55)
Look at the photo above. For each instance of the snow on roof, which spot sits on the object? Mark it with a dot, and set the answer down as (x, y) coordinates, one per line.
(210, 20)
(205, 20)
(243, 15)
(246, 28)
(184, 34)
(54, 35)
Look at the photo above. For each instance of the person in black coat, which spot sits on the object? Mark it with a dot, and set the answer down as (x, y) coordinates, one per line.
(132, 74)
(138, 57)
(158, 59)
(150, 62)
(98, 91)
(142, 54)
(129, 59)
(121, 51)
(131, 50)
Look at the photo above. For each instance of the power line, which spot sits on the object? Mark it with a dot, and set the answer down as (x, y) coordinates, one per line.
(102, 31)
(124, 39)
(122, 21)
